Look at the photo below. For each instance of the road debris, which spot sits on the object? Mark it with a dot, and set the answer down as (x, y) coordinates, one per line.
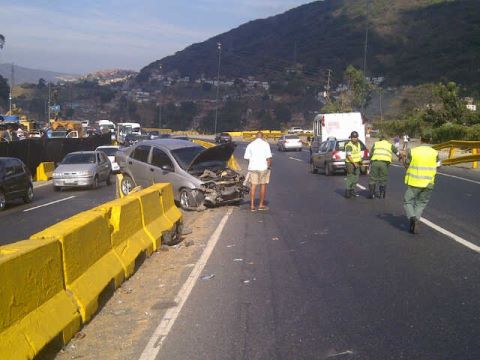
(80, 335)
(246, 281)
(207, 277)
(230, 246)
(164, 248)
(188, 243)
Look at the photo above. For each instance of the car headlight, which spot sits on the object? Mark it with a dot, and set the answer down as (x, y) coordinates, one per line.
(57, 174)
(85, 173)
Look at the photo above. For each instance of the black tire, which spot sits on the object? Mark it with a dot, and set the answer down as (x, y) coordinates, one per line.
(28, 197)
(328, 170)
(56, 188)
(313, 169)
(108, 181)
(126, 185)
(3, 201)
(95, 183)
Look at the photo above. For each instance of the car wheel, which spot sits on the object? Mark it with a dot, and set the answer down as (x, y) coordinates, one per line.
(188, 202)
(126, 185)
(328, 169)
(95, 182)
(3, 201)
(313, 169)
(108, 181)
(57, 188)
(28, 198)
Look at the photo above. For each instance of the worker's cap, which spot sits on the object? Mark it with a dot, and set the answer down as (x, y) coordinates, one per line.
(354, 134)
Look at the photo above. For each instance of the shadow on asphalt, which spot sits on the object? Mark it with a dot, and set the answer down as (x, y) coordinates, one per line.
(397, 221)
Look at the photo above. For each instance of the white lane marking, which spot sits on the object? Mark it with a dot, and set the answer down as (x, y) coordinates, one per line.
(361, 187)
(447, 175)
(292, 158)
(457, 238)
(161, 332)
(48, 204)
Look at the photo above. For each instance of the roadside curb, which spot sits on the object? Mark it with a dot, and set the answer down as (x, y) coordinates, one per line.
(38, 184)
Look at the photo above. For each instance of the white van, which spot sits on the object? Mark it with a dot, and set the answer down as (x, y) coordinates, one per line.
(336, 125)
(123, 129)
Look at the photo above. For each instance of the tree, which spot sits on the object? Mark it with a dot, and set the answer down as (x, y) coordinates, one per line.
(42, 84)
(359, 90)
(2, 41)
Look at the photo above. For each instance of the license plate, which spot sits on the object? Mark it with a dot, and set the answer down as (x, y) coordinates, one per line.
(70, 182)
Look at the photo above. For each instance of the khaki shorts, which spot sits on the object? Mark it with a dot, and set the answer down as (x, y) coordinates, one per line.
(259, 177)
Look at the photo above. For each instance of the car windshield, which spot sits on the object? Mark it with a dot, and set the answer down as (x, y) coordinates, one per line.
(59, 133)
(185, 156)
(109, 151)
(292, 137)
(79, 159)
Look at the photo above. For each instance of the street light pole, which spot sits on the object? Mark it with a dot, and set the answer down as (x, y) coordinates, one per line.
(365, 48)
(219, 47)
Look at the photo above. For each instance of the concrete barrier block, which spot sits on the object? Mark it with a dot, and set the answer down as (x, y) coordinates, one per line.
(35, 309)
(44, 171)
(170, 209)
(91, 268)
(129, 239)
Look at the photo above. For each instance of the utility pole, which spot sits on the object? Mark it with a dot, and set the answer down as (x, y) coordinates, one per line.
(365, 48)
(10, 96)
(327, 87)
(49, 102)
(219, 47)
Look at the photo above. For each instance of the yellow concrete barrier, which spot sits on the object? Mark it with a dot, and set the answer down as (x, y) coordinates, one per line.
(232, 162)
(235, 133)
(158, 225)
(35, 309)
(129, 239)
(45, 171)
(90, 265)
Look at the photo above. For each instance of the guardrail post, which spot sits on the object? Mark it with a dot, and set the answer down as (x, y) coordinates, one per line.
(451, 153)
(475, 163)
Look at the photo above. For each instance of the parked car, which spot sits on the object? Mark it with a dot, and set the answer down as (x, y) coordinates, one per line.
(330, 157)
(131, 139)
(110, 151)
(289, 142)
(295, 130)
(198, 175)
(82, 169)
(223, 138)
(15, 181)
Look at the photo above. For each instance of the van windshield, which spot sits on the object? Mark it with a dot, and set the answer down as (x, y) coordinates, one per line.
(341, 145)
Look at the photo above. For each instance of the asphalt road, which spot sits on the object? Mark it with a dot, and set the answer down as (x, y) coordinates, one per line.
(19, 221)
(322, 277)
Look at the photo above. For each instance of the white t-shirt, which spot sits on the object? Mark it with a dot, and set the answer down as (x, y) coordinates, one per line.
(257, 153)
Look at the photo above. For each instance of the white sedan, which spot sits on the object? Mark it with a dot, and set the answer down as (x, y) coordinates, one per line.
(289, 142)
(110, 151)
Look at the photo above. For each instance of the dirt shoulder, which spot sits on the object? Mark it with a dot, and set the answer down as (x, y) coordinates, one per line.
(121, 329)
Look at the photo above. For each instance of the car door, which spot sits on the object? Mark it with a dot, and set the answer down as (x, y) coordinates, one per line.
(103, 165)
(138, 165)
(320, 155)
(13, 179)
(162, 169)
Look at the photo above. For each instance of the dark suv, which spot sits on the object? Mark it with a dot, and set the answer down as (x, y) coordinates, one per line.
(330, 157)
(223, 138)
(15, 181)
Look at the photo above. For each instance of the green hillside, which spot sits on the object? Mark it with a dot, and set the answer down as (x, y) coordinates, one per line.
(410, 42)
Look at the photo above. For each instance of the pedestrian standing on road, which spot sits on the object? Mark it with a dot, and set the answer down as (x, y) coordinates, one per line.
(259, 158)
(353, 151)
(421, 163)
(396, 141)
(380, 160)
(406, 141)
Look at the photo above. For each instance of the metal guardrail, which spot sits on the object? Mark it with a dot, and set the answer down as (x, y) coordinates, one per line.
(453, 145)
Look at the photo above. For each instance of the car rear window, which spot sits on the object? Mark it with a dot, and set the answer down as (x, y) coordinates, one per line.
(341, 145)
(109, 151)
(79, 159)
(292, 137)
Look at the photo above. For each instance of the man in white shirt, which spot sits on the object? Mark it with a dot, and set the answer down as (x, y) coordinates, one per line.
(259, 158)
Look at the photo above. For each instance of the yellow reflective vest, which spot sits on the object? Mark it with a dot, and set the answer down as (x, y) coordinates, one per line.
(356, 154)
(423, 167)
(382, 151)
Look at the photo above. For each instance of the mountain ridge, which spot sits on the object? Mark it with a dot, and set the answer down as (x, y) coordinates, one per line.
(410, 41)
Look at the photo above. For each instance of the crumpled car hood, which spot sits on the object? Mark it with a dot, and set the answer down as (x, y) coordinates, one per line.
(220, 153)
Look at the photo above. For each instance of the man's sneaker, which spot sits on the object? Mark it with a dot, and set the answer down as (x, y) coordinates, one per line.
(413, 222)
(348, 194)
(354, 193)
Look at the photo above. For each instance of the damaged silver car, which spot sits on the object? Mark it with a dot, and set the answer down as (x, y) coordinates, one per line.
(199, 176)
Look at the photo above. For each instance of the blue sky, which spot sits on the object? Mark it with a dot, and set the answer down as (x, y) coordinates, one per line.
(80, 36)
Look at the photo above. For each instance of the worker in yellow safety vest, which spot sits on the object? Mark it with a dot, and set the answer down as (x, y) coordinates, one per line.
(381, 157)
(353, 161)
(421, 163)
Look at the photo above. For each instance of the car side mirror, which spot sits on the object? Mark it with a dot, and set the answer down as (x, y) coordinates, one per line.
(167, 168)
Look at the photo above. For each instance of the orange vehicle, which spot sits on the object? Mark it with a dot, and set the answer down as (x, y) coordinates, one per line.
(70, 126)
